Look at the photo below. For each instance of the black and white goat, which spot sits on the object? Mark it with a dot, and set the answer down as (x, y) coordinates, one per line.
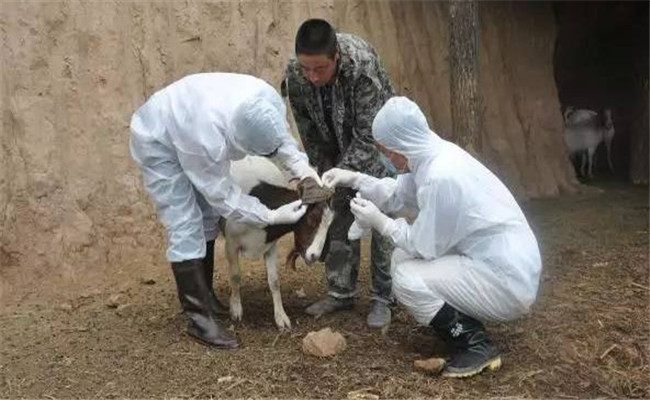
(584, 130)
(260, 178)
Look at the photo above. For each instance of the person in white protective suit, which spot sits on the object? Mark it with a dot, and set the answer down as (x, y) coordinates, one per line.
(184, 138)
(469, 256)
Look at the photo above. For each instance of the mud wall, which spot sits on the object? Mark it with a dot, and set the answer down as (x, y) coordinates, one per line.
(71, 202)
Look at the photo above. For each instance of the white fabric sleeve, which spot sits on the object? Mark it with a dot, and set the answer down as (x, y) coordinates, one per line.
(212, 179)
(434, 231)
(290, 160)
(390, 195)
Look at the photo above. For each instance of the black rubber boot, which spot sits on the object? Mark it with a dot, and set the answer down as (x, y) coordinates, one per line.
(470, 349)
(208, 269)
(194, 296)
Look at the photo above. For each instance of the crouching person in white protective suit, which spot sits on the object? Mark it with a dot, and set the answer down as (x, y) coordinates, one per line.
(184, 138)
(469, 256)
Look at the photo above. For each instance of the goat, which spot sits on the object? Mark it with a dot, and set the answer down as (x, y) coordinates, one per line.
(260, 178)
(584, 131)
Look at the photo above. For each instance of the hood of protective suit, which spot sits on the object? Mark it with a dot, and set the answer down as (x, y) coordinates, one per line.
(401, 126)
(260, 123)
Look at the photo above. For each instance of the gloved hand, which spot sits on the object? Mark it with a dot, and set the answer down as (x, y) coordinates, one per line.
(287, 214)
(341, 177)
(366, 214)
(356, 231)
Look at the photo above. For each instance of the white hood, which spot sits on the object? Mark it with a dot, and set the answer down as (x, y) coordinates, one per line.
(401, 126)
(260, 123)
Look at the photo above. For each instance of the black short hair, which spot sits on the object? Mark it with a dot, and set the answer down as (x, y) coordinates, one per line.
(316, 36)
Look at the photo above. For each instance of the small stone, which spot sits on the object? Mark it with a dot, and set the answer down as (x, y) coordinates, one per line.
(362, 394)
(223, 379)
(122, 307)
(90, 293)
(114, 301)
(431, 365)
(301, 293)
(323, 343)
(148, 281)
(66, 307)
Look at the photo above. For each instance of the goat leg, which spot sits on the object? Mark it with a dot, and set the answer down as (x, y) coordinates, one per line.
(270, 260)
(232, 257)
(291, 259)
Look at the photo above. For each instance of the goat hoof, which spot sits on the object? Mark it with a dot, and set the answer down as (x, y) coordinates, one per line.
(283, 322)
(236, 311)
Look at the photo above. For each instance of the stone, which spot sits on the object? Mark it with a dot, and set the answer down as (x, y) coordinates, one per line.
(147, 281)
(114, 301)
(323, 343)
(431, 365)
(225, 379)
(362, 394)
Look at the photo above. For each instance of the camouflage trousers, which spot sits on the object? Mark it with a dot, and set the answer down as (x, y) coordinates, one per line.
(343, 258)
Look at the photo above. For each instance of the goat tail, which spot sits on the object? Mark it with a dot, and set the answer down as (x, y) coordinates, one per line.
(291, 259)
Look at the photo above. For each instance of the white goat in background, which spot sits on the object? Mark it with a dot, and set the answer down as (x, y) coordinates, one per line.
(584, 130)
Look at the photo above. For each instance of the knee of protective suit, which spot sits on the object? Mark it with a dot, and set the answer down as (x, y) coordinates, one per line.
(400, 280)
(397, 258)
(186, 245)
(413, 294)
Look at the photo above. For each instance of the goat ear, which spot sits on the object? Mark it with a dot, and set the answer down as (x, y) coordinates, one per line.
(301, 187)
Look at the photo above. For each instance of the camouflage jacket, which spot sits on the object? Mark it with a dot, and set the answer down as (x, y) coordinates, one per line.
(360, 88)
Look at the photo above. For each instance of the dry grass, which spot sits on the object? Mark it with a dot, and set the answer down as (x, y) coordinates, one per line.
(586, 338)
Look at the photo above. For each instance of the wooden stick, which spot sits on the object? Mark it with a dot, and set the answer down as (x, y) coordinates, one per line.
(612, 347)
(276, 339)
(641, 286)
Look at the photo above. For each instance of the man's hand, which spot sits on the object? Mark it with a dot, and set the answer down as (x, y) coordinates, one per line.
(366, 214)
(336, 177)
(287, 214)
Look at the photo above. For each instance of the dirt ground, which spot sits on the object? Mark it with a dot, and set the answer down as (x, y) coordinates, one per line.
(587, 336)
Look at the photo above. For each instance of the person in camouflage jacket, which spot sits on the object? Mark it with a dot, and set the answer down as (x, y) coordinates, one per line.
(335, 87)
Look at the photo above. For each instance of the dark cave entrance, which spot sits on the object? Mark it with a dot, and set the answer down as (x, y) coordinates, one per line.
(601, 61)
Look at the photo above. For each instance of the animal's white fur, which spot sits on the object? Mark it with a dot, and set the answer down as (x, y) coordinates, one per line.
(583, 132)
(251, 170)
(314, 251)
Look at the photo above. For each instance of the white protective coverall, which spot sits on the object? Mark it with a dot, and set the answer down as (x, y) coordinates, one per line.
(470, 244)
(184, 138)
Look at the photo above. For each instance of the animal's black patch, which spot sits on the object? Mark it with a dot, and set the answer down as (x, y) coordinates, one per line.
(273, 197)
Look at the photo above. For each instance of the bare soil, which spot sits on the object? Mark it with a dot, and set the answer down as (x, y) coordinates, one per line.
(587, 336)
